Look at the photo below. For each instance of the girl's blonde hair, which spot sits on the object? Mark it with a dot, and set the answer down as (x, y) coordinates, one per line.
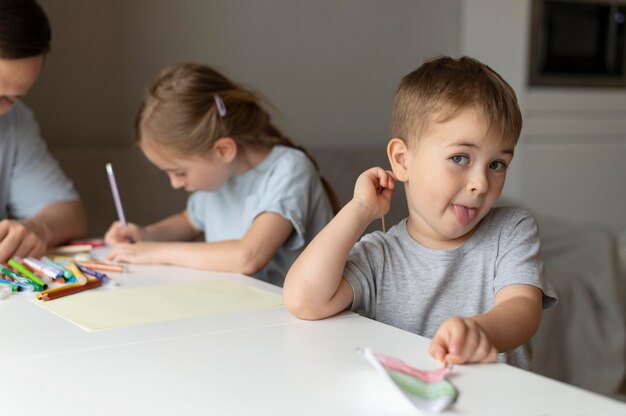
(180, 111)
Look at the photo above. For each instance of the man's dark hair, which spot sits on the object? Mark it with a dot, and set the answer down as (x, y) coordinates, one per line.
(24, 29)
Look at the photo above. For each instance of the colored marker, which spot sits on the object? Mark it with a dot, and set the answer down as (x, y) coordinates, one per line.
(80, 278)
(60, 269)
(42, 268)
(27, 273)
(104, 267)
(87, 270)
(37, 273)
(92, 243)
(22, 281)
(14, 286)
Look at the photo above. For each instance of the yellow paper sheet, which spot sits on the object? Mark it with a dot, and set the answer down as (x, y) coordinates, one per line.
(95, 310)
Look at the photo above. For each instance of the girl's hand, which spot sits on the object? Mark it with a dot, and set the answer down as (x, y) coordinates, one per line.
(374, 189)
(461, 340)
(117, 233)
(142, 252)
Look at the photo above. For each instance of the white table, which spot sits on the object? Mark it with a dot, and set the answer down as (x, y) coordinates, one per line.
(262, 362)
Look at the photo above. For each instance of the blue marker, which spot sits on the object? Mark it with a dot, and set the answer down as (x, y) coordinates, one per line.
(16, 286)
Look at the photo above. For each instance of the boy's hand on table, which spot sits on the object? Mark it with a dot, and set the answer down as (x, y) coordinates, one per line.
(461, 340)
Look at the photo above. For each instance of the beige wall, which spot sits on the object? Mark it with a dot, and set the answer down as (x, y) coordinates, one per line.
(569, 163)
(329, 67)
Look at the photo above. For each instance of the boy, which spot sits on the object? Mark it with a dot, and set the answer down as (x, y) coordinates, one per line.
(455, 270)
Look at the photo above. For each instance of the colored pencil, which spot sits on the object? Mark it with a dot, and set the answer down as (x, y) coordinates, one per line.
(68, 290)
(102, 266)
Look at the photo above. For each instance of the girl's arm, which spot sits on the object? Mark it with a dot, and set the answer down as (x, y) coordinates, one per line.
(314, 287)
(174, 228)
(268, 233)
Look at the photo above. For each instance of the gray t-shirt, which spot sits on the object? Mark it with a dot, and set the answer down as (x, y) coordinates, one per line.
(404, 284)
(286, 183)
(30, 178)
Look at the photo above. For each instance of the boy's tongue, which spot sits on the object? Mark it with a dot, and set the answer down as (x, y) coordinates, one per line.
(463, 214)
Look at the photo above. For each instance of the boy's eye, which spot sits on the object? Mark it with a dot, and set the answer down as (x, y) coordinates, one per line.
(460, 159)
(179, 174)
(497, 165)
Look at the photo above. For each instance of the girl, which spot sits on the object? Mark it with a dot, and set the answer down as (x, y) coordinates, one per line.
(256, 196)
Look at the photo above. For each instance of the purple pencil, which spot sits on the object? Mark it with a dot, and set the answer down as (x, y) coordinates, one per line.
(116, 195)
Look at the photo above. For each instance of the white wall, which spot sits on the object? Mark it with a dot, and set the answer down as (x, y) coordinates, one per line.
(495, 32)
(570, 161)
(329, 67)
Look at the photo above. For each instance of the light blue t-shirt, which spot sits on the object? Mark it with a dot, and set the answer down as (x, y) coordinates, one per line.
(286, 183)
(399, 282)
(30, 178)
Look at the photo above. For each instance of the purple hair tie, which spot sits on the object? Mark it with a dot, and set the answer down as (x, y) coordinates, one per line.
(221, 108)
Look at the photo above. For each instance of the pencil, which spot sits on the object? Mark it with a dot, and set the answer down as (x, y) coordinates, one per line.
(58, 292)
(116, 194)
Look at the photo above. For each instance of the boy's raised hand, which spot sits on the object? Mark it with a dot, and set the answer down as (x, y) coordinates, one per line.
(461, 340)
(374, 189)
(117, 233)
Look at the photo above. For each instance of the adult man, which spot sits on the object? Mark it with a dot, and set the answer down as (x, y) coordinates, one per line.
(38, 204)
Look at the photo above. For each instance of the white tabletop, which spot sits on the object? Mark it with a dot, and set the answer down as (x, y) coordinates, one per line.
(262, 362)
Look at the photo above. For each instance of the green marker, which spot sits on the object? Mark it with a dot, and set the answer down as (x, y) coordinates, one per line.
(20, 279)
(14, 287)
(25, 272)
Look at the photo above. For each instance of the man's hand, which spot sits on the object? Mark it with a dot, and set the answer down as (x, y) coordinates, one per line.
(22, 239)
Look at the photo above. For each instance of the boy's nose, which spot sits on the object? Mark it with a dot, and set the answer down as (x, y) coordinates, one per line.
(478, 183)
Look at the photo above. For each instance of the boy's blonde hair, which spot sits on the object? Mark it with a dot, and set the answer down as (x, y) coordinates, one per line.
(180, 112)
(442, 87)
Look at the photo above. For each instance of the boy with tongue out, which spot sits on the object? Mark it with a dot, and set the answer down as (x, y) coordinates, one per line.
(457, 270)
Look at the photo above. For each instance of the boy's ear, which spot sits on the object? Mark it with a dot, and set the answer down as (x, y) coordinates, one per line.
(397, 151)
(226, 149)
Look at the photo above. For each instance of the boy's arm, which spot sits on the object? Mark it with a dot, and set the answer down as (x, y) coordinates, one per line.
(512, 321)
(514, 317)
(314, 287)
